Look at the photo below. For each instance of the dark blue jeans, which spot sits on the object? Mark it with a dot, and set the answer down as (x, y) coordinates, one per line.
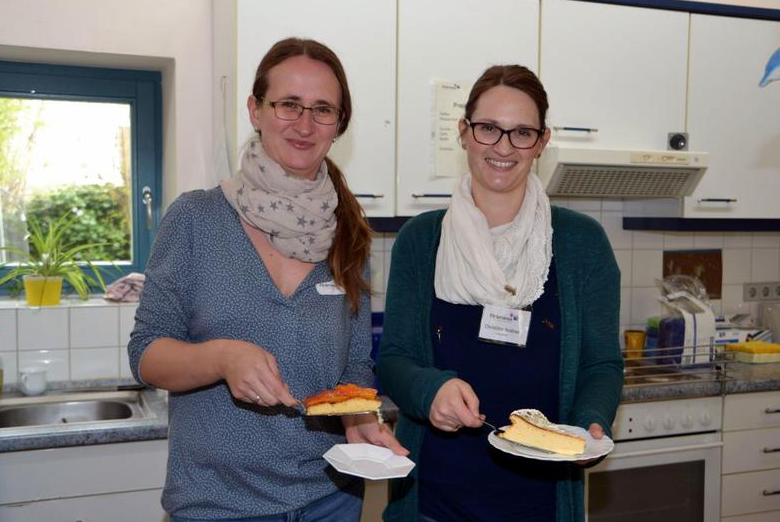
(338, 507)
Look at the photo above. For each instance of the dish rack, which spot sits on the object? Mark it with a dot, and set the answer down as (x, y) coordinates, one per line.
(669, 365)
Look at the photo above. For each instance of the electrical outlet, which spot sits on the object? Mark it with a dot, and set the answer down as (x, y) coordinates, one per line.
(769, 291)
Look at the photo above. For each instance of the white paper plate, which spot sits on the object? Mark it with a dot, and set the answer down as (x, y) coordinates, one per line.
(368, 461)
(593, 448)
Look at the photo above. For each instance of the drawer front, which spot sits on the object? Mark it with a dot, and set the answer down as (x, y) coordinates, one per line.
(117, 507)
(768, 516)
(751, 450)
(751, 410)
(744, 493)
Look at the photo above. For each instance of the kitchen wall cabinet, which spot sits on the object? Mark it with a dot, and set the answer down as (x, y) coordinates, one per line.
(751, 457)
(118, 482)
(451, 41)
(733, 119)
(362, 34)
(620, 70)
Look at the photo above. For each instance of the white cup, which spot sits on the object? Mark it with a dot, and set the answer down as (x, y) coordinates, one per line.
(32, 381)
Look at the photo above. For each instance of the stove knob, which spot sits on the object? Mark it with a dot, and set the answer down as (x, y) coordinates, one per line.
(649, 424)
(705, 418)
(687, 421)
(668, 423)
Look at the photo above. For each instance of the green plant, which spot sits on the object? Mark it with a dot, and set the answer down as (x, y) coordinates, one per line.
(51, 255)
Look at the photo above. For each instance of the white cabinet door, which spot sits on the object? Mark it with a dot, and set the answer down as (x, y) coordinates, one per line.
(362, 34)
(620, 70)
(131, 506)
(452, 41)
(733, 119)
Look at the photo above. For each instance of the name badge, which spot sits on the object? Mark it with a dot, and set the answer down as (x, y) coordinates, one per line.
(329, 288)
(504, 325)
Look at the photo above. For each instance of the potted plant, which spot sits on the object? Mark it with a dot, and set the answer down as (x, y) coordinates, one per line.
(50, 261)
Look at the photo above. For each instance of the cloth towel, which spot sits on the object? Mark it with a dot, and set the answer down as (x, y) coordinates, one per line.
(126, 289)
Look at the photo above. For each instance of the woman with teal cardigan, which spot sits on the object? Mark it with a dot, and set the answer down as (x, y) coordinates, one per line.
(499, 254)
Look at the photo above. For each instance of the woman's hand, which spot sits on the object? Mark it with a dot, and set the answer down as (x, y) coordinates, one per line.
(455, 405)
(366, 428)
(253, 376)
(597, 432)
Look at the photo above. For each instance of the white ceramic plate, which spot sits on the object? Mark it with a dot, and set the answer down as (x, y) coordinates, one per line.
(593, 448)
(368, 461)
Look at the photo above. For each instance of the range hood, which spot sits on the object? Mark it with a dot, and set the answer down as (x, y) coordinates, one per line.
(600, 173)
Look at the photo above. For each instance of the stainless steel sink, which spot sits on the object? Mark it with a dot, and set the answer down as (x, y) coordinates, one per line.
(72, 408)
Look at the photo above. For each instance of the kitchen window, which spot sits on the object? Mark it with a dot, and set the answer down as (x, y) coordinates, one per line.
(83, 140)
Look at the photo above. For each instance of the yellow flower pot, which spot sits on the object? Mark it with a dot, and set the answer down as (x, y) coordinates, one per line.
(43, 291)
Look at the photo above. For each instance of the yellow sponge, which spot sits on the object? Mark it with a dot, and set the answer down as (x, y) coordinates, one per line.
(755, 352)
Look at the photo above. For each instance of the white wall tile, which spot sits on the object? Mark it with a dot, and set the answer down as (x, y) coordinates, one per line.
(731, 301)
(644, 304)
(389, 242)
(94, 363)
(708, 240)
(378, 302)
(42, 328)
(388, 257)
(8, 329)
(736, 265)
(595, 214)
(766, 240)
(585, 205)
(623, 258)
(93, 326)
(126, 323)
(377, 261)
(678, 240)
(625, 305)
(612, 205)
(613, 226)
(9, 367)
(560, 202)
(378, 243)
(737, 240)
(56, 362)
(646, 267)
(765, 265)
(124, 364)
(717, 306)
(644, 240)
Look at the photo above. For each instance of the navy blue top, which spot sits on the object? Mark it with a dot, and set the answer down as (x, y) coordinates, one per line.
(462, 477)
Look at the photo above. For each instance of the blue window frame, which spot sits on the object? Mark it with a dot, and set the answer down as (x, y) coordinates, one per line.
(141, 90)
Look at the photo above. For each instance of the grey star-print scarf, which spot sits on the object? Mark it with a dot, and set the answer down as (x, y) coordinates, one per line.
(296, 214)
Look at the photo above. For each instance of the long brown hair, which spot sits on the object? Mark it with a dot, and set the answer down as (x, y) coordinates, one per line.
(350, 251)
(515, 76)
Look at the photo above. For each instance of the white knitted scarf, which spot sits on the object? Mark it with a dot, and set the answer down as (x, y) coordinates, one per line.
(296, 214)
(510, 271)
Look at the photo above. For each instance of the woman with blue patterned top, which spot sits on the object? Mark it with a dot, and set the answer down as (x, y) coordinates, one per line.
(256, 293)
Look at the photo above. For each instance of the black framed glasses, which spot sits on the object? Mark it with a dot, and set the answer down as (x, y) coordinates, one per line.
(490, 134)
(291, 110)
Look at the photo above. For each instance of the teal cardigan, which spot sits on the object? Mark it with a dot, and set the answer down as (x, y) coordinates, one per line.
(591, 372)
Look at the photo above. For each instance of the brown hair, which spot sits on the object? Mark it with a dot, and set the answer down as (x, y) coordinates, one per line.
(352, 242)
(515, 76)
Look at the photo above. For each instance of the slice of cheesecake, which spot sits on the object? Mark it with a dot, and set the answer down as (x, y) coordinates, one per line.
(531, 428)
(342, 400)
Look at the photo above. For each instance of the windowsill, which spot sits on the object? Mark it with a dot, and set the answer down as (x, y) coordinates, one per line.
(66, 302)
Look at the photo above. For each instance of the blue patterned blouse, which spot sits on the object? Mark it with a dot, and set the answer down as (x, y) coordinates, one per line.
(230, 459)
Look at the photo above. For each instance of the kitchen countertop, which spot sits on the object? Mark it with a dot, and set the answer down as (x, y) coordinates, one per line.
(739, 378)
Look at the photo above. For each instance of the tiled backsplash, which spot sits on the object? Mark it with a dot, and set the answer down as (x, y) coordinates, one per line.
(75, 341)
(747, 256)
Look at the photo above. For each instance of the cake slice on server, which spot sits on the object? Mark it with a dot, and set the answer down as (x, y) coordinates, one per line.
(344, 399)
(531, 428)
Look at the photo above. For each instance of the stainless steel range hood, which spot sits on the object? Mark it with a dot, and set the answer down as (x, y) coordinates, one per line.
(601, 173)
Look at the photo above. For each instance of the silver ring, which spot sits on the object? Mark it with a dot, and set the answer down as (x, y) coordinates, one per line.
(257, 399)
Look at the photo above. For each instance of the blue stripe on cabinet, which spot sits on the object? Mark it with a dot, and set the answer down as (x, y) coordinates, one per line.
(701, 224)
(698, 8)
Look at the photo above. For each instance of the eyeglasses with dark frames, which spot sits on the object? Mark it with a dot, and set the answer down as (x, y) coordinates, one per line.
(490, 134)
(290, 110)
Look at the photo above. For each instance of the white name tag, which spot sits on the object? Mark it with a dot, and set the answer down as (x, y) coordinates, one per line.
(329, 288)
(504, 325)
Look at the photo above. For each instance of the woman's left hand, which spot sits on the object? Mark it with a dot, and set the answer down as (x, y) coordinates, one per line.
(597, 432)
(366, 428)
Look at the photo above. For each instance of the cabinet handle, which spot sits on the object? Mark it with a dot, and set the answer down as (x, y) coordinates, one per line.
(372, 196)
(426, 195)
(771, 410)
(146, 197)
(575, 129)
(771, 450)
(768, 492)
(717, 200)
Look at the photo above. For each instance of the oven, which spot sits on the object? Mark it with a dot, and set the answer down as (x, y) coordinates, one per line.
(666, 464)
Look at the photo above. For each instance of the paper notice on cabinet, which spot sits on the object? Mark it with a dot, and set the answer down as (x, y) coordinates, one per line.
(449, 104)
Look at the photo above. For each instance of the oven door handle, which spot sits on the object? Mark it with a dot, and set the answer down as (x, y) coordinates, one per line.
(660, 451)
